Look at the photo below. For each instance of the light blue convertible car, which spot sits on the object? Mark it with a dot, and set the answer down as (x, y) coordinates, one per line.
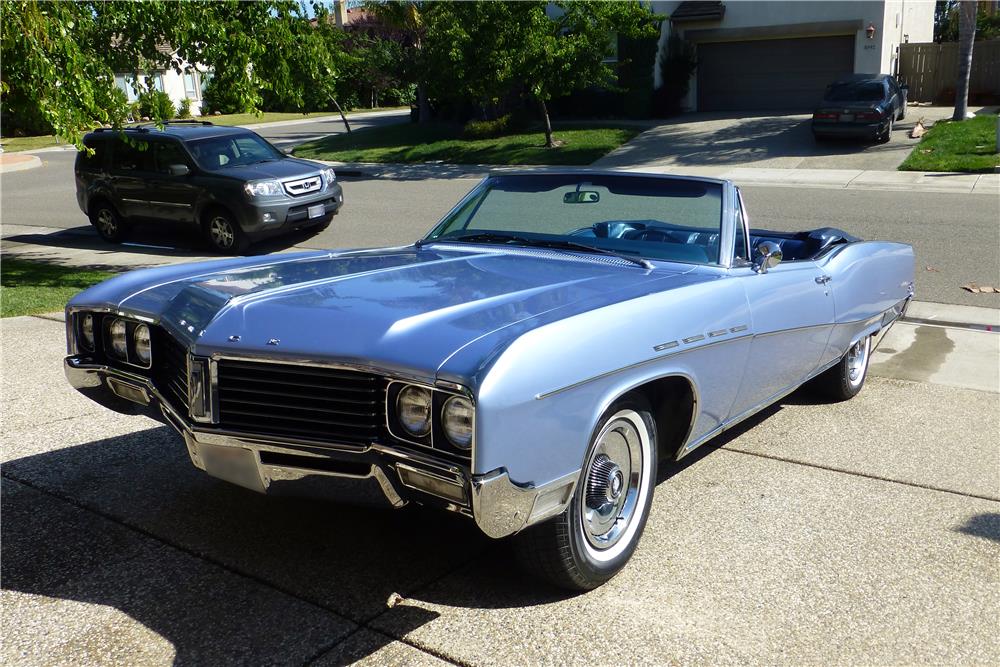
(526, 364)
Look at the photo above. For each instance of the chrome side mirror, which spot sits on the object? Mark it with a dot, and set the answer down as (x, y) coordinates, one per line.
(179, 170)
(767, 255)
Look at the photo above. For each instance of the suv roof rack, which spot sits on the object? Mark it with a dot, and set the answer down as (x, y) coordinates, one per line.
(144, 126)
(189, 121)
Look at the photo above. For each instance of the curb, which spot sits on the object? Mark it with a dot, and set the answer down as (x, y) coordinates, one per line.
(18, 162)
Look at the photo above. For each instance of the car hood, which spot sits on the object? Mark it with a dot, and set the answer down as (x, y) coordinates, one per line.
(288, 167)
(405, 310)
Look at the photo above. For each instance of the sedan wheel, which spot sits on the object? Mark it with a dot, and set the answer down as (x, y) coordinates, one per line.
(225, 235)
(595, 537)
(845, 380)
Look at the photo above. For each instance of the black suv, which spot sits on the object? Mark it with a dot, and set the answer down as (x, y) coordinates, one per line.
(230, 183)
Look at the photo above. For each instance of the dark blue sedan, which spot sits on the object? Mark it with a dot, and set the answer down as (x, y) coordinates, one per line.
(863, 106)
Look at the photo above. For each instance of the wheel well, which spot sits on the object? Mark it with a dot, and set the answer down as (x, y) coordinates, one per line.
(207, 212)
(94, 201)
(672, 400)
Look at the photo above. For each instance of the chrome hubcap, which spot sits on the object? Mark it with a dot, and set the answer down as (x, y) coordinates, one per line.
(106, 222)
(613, 480)
(857, 361)
(222, 232)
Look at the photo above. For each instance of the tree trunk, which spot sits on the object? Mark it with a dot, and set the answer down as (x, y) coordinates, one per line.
(342, 116)
(423, 107)
(549, 143)
(966, 40)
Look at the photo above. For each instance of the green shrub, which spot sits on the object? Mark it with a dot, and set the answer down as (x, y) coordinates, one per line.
(487, 129)
(156, 105)
(678, 62)
(184, 110)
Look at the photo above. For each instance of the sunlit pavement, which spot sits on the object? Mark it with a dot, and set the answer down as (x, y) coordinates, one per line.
(865, 532)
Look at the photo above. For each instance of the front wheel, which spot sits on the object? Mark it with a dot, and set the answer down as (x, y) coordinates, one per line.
(224, 234)
(845, 380)
(593, 539)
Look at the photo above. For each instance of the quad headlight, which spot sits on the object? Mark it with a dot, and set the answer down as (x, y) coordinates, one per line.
(457, 421)
(87, 331)
(413, 409)
(119, 339)
(142, 345)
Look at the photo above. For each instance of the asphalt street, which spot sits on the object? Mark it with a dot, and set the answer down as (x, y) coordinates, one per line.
(956, 236)
(865, 532)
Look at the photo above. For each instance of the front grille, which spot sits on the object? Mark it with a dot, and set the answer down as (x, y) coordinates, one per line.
(323, 404)
(303, 186)
(170, 371)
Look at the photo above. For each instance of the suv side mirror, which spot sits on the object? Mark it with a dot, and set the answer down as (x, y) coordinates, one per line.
(767, 255)
(179, 170)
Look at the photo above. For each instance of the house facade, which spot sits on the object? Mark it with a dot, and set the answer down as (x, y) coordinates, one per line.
(189, 83)
(781, 55)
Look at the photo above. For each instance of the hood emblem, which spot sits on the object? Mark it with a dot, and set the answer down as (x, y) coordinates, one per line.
(273, 341)
(234, 339)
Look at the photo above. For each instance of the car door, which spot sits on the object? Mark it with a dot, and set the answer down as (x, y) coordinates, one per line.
(131, 167)
(791, 314)
(172, 195)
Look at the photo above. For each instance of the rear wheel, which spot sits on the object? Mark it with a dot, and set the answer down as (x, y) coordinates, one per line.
(224, 233)
(594, 538)
(845, 380)
(886, 134)
(108, 223)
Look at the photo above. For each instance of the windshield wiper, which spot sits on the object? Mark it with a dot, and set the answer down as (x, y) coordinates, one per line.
(494, 237)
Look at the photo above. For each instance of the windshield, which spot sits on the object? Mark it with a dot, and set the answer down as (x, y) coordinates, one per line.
(633, 216)
(864, 91)
(233, 150)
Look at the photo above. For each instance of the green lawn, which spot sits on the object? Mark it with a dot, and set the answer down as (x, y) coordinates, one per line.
(30, 288)
(12, 144)
(963, 146)
(444, 143)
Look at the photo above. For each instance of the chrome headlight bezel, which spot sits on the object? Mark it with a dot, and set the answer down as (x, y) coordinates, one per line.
(419, 427)
(458, 421)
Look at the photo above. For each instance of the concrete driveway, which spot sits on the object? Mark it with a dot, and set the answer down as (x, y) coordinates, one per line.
(782, 141)
(865, 532)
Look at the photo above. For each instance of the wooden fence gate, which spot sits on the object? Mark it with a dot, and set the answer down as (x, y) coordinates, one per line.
(931, 70)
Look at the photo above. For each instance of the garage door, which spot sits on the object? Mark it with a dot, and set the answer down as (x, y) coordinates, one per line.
(772, 74)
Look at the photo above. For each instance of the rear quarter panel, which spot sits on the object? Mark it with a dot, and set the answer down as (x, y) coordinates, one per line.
(867, 279)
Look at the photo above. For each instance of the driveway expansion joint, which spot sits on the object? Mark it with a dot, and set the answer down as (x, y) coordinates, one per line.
(854, 473)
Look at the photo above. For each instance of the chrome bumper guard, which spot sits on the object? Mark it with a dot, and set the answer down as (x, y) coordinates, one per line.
(499, 506)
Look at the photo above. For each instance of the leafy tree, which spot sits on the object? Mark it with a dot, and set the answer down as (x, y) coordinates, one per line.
(567, 51)
(406, 16)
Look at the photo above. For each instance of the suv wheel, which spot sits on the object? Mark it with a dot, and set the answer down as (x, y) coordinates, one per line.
(108, 223)
(224, 234)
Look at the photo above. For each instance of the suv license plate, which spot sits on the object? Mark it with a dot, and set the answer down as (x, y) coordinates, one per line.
(846, 118)
(317, 211)
(232, 464)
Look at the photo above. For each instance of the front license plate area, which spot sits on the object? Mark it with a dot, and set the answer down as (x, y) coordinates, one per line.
(232, 464)
(317, 211)
(846, 118)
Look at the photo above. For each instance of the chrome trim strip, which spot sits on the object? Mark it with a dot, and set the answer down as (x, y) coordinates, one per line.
(170, 203)
(135, 201)
(716, 334)
(693, 339)
(665, 346)
(738, 329)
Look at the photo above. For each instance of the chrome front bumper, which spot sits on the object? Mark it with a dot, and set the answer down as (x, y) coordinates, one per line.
(499, 506)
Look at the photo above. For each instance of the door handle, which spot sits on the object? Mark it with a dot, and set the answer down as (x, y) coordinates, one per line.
(822, 280)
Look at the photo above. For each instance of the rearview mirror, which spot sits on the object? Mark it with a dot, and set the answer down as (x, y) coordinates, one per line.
(179, 170)
(582, 197)
(767, 255)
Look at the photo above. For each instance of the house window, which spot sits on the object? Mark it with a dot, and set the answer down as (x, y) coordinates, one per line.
(157, 81)
(124, 83)
(191, 89)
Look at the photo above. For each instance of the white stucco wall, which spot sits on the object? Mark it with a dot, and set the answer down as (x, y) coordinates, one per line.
(915, 18)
